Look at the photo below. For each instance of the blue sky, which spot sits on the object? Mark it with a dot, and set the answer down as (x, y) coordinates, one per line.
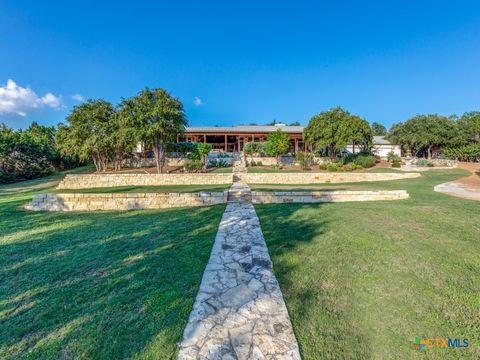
(233, 62)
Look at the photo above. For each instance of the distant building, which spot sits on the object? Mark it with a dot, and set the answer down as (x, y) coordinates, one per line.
(381, 147)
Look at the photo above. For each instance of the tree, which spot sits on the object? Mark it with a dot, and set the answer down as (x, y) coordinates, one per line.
(252, 148)
(469, 126)
(88, 133)
(355, 131)
(295, 123)
(424, 132)
(204, 149)
(335, 129)
(278, 144)
(378, 129)
(158, 118)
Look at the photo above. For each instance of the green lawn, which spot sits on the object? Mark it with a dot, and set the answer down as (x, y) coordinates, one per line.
(362, 280)
(104, 285)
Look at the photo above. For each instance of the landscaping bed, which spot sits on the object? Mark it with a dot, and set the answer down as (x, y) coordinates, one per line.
(362, 280)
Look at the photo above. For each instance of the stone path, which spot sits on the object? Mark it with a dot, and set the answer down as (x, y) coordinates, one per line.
(239, 312)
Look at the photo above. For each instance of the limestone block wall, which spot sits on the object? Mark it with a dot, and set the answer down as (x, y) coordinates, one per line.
(85, 181)
(123, 201)
(278, 197)
(319, 178)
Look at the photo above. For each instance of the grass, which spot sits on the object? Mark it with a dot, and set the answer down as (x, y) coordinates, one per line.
(362, 280)
(105, 285)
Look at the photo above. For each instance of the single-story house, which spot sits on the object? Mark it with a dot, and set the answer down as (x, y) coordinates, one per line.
(381, 147)
(233, 138)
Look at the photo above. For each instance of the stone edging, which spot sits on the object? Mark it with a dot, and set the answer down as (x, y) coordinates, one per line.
(275, 197)
(320, 178)
(124, 201)
(86, 181)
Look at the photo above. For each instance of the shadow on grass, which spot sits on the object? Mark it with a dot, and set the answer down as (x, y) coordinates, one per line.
(103, 285)
(289, 234)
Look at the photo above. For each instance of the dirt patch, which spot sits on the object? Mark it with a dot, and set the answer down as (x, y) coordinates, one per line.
(471, 182)
(467, 187)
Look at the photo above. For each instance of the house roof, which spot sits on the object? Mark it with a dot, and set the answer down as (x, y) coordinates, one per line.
(381, 140)
(244, 129)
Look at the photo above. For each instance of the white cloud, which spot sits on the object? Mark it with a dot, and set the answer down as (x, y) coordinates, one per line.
(197, 101)
(78, 97)
(19, 100)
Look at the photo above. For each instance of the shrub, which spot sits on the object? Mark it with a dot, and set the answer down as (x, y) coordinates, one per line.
(218, 163)
(396, 164)
(320, 153)
(193, 165)
(469, 152)
(392, 157)
(365, 161)
(259, 163)
(424, 163)
(305, 159)
(181, 149)
(334, 166)
(253, 163)
(255, 148)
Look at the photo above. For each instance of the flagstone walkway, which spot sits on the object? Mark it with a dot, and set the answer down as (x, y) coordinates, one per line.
(239, 312)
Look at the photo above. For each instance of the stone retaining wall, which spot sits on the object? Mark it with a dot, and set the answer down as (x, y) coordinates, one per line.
(86, 181)
(276, 197)
(319, 178)
(124, 201)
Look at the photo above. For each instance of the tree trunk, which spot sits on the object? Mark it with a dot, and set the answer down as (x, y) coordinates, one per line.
(429, 153)
(156, 153)
(353, 147)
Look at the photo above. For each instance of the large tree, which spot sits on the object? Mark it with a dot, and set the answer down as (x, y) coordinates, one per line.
(424, 132)
(88, 133)
(335, 129)
(469, 126)
(158, 118)
(378, 129)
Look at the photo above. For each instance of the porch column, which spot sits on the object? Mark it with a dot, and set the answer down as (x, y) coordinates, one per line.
(204, 138)
(296, 145)
(238, 143)
(225, 142)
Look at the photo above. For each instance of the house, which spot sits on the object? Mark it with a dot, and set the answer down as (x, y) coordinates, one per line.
(233, 138)
(381, 147)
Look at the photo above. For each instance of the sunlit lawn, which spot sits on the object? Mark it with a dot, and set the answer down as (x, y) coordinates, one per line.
(104, 285)
(362, 280)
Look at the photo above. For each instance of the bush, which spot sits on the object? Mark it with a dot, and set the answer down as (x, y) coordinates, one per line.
(305, 159)
(320, 153)
(255, 148)
(259, 163)
(218, 162)
(469, 152)
(392, 157)
(193, 165)
(424, 163)
(396, 164)
(365, 161)
(253, 163)
(181, 149)
(334, 166)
